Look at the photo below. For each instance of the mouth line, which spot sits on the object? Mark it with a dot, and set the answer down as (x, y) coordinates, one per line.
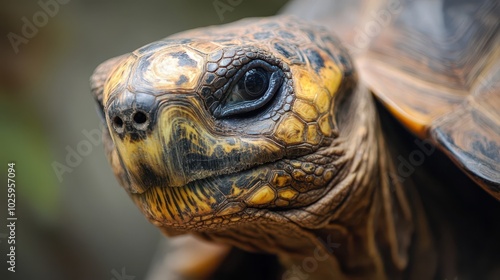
(230, 171)
(221, 173)
(227, 212)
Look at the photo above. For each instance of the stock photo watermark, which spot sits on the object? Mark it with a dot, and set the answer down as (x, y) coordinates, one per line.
(310, 264)
(425, 148)
(11, 216)
(372, 28)
(406, 166)
(121, 276)
(31, 26)
(74, 155)
(223, 6)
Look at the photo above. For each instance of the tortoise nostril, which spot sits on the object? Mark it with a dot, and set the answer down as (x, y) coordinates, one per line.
(118, 122)
(140, 118)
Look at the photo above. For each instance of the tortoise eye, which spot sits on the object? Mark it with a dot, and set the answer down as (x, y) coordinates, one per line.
(251, 86)
(255, 84)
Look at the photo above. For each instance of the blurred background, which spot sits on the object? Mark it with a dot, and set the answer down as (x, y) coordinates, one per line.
(74, 220)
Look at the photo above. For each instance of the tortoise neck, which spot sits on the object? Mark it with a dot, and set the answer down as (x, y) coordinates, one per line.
(368, 236)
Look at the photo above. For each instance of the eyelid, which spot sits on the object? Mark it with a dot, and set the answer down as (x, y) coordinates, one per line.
(249, 66)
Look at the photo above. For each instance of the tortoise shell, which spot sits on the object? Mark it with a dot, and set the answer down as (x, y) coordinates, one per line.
(435, 65)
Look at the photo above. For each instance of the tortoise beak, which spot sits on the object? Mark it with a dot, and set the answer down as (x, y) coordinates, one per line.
(178, 144)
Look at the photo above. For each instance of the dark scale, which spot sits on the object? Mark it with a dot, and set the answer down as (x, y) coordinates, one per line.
(184, 59)
(317, 62)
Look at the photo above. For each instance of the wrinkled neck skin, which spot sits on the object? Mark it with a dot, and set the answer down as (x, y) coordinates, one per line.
(362, 228)
(362, 238)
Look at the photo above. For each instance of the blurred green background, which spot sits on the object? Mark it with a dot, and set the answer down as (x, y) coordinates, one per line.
(81, 225)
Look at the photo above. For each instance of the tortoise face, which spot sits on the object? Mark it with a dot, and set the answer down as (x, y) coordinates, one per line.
(215, 126)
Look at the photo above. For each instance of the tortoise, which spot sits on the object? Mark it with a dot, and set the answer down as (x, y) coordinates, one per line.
(263, 135)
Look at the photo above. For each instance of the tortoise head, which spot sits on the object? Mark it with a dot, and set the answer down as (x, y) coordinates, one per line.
(218, 126)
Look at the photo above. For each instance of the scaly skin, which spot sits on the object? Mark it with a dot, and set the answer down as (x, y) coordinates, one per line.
(304, 171)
